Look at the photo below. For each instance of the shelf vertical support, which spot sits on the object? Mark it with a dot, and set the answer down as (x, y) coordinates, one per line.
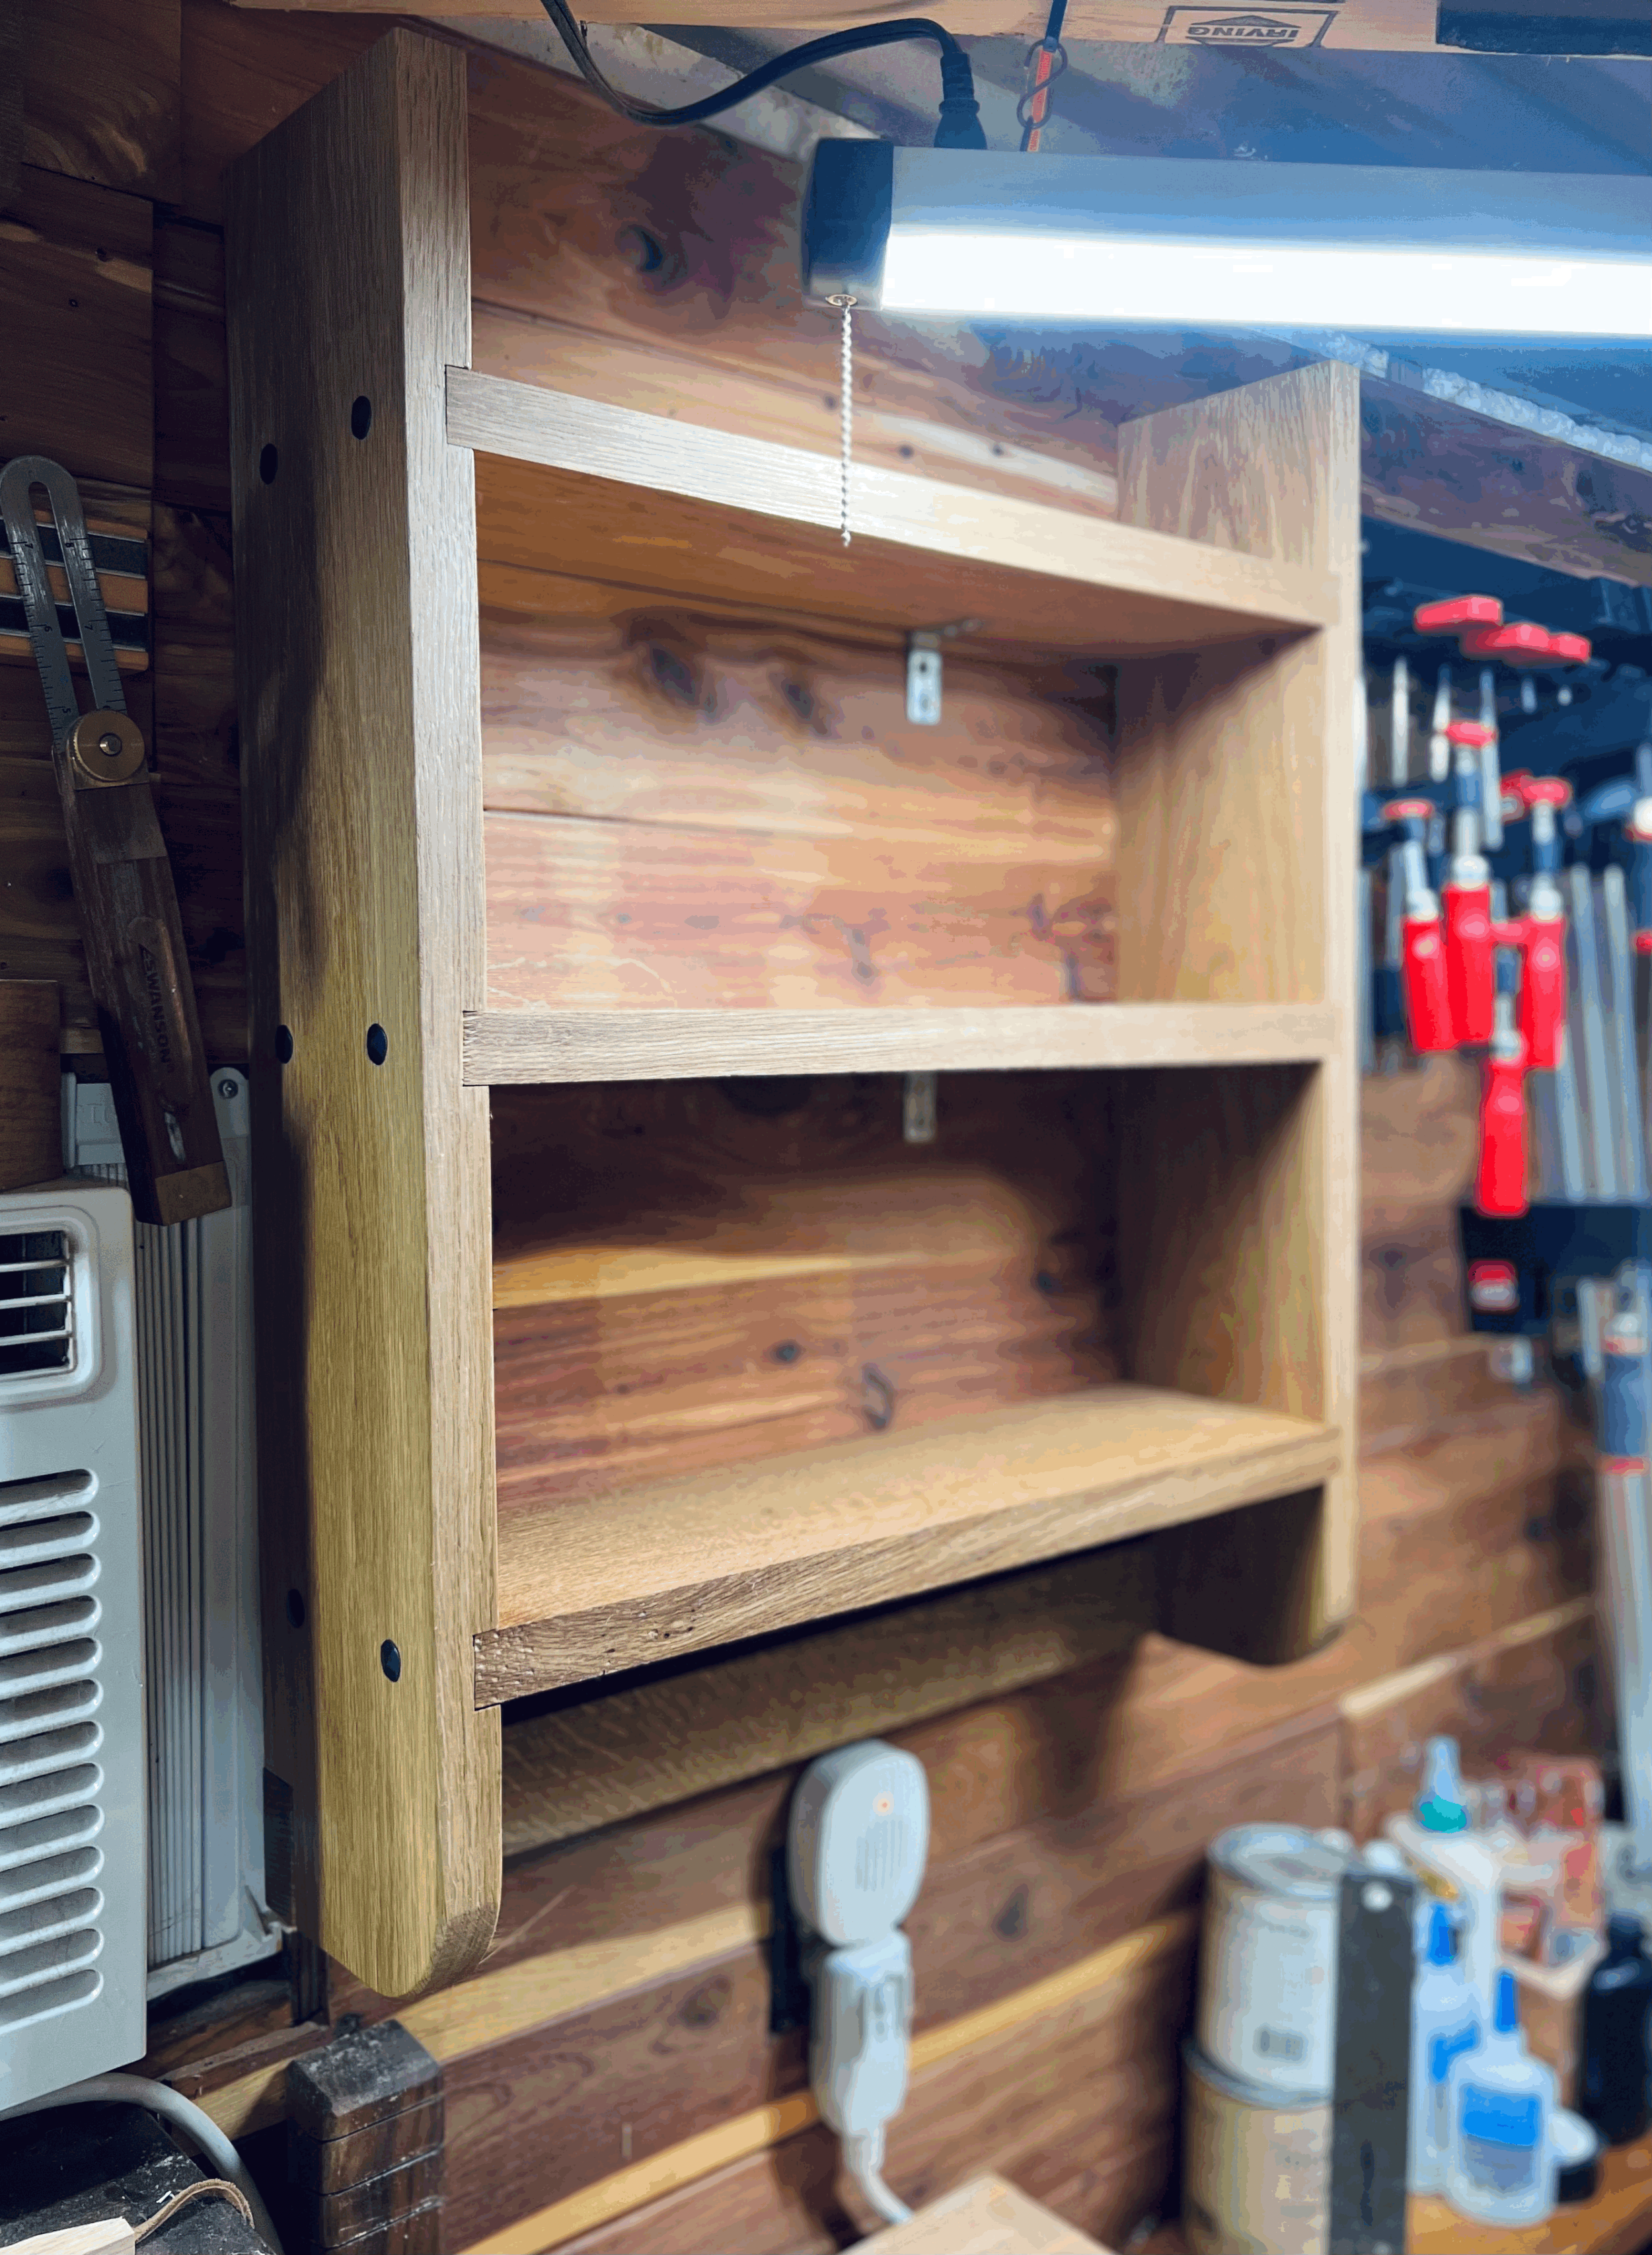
(1236, 782)
(359, 693)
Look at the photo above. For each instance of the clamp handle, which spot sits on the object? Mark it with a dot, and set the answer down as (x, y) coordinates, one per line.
(1428, 1008)
(1456, 613)
(1471, 967)
(1500, 1186)
(1543, 991)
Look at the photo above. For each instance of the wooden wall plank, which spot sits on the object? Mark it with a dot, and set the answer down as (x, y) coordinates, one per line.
(741, 814)
(959, 1273)
(578, 1764)
(31, 1102)
(101, 93)
(1433, 467)
(75, 282)
(1077, 2094)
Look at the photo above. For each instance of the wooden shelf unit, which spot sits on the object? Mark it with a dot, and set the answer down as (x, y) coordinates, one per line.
(740, 1359)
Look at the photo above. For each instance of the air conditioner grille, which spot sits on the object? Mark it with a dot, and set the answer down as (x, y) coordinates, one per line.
(36, 1303)
(51, 1783)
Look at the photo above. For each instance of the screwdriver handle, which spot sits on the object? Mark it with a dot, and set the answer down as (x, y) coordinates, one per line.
(1428, 1009)
(1543, 991)
(1500, 1186)
(1470, 971)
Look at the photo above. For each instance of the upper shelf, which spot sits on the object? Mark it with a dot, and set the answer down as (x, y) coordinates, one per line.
(543, 1046)
(581, 488)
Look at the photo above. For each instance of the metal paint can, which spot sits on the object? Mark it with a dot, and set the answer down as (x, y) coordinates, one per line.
(1255, 2167)
(1267, 1962)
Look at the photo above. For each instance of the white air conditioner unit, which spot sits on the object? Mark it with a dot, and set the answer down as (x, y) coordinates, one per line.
(205, 1700)
(72, 1783)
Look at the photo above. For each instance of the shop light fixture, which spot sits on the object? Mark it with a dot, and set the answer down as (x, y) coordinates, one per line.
(1172, 242)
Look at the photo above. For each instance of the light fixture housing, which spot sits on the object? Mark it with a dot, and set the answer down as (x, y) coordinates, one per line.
(1165, 242)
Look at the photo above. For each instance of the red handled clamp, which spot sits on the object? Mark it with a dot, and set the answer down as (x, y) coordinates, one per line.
(1524, 644)
(1422, 958)
(1542, 986)
(1471, 973)
(1500, 1186)
(1456, 615)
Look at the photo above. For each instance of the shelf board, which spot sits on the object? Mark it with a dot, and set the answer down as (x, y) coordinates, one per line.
(593, 491)
(592, 1585)
(535, 1047)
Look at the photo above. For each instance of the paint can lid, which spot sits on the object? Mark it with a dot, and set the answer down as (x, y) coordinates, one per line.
(1280, 1860)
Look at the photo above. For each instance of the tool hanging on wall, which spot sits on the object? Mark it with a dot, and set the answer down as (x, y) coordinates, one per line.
(135, 955)
(1045, 63)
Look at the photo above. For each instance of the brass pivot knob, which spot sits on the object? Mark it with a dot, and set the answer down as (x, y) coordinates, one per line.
(105, 748)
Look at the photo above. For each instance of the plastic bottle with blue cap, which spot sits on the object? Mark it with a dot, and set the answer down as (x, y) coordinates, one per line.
(1444, 2024)
(1500, 2165)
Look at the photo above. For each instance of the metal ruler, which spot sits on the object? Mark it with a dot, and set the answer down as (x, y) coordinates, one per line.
(135, 956)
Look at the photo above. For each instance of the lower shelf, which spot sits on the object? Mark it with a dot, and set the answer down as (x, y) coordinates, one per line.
(593, 1585)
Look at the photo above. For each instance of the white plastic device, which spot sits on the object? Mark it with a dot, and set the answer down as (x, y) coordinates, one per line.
(72, 1754)
(855, 1851)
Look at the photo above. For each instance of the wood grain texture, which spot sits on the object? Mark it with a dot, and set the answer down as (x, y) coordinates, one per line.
(683, 811)
(1387, 25)
(31, 1085)
(1016, 2087)
(191, 378)
(74, 284)
(986, 2217)
(101, 93)
(925, 554)
(533, 1047)
(689, 1275)
(995, 1922)
(712, 1558)
(1434, 467)
(1271, 469)
(578, 1765)
(360, 713)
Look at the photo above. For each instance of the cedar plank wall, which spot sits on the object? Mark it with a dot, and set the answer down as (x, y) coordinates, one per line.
(611, 2081)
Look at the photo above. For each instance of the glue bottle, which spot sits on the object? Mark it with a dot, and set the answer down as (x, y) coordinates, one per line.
(1500, 2165)
(1444, 2025)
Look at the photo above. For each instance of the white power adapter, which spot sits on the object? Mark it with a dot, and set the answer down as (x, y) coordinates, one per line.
(855, 1851)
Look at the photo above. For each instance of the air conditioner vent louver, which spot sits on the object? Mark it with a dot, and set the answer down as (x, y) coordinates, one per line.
(50, 1784)
(71, 1682)
(36, 1303)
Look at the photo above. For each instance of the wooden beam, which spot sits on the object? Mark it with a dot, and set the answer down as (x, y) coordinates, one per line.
(1277, 27)
(355, 575)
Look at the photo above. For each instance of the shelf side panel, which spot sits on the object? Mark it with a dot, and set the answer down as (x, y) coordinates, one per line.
(1235, 808)
(348, 293)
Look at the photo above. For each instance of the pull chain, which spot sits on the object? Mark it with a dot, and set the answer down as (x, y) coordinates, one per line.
(845, 393)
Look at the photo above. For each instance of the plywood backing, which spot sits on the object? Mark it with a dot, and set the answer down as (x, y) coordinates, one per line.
(348, 281)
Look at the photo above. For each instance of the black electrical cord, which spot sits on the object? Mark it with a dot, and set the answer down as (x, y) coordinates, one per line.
(959, 127)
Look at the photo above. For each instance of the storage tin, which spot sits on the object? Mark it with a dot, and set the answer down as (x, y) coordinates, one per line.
(1255, 2167)
(1267, 1962)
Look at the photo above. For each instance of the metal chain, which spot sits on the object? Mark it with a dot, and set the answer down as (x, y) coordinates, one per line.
(846, 416)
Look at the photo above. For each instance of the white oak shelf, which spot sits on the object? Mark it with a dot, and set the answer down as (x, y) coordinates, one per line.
(641, 500)
(591, 1586)
(534, 1047)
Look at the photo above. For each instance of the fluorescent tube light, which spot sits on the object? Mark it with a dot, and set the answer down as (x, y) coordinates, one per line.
(1230, 245)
